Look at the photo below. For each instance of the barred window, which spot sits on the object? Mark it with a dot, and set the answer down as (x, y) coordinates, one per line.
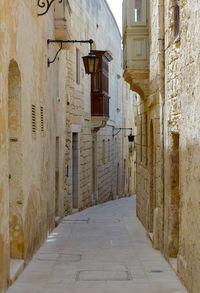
(33, 117)
(42, 118)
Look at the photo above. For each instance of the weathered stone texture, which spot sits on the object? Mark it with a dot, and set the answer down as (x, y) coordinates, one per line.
(46, 119)
(167, 188)
(27, 206)
(90, 19)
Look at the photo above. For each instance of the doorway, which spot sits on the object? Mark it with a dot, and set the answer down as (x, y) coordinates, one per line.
(173, 247)
(118, 182)
(152, 201)
(16, 198)
(75, 170)
(94, 170)
(57, 176)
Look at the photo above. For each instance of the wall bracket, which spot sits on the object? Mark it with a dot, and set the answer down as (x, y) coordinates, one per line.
(61, 42)
(46, 4)
(119, 129)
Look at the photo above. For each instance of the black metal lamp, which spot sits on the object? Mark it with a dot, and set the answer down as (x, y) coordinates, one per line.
(131, 137)
(91, 63)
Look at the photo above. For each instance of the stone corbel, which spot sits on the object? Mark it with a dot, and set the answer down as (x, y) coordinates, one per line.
(98, 123)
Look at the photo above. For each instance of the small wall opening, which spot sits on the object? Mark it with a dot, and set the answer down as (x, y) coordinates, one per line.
(16, 199)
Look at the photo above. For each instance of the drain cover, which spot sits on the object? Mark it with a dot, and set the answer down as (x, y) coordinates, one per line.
(59, 257)
(103, 276)
(75, 221)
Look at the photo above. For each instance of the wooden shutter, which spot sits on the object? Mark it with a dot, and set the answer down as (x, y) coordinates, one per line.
(105, 83)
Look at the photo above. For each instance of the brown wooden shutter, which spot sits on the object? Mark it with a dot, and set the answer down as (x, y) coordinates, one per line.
(105, 83)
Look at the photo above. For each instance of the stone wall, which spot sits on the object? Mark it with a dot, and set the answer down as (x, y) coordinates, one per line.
(167, 183)
(150, 136)
(182, 141)
(46, 130)
(27, 133)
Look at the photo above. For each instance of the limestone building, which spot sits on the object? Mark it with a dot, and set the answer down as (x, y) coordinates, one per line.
(57, 153)
(161, 63)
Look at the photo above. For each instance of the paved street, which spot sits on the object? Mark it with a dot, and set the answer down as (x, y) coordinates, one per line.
(102, 249)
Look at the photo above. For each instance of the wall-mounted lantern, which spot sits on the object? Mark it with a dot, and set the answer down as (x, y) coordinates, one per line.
(45, 5)
(131, 137)
(91, 61)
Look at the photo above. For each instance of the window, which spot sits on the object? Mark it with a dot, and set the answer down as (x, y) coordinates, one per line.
(77, 66)
(96, 82)
(103, 152)
(42, 118)
(109, 150)
(176, 20)
(33, 117)
(138, 10)
(100, 85)
(57, 79)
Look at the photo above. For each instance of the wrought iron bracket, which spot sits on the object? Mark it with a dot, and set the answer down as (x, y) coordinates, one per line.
(46, 4)
(61, 42)
(119, 129)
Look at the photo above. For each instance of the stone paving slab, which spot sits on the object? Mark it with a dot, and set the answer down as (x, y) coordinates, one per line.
(103, 249)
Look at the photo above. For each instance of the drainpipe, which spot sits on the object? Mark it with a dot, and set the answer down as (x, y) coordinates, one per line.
(161, 41)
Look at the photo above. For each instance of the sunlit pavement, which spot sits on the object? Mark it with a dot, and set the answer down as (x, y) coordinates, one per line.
(102, 249)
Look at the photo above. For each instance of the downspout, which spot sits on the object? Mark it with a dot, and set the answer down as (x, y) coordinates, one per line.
(161, 41)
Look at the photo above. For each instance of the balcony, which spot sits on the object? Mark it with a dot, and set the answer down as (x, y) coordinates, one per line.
(100, 91)
(100, 105)
(136, 45)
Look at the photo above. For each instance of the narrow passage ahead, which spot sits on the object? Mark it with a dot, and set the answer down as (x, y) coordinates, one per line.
(103, 249)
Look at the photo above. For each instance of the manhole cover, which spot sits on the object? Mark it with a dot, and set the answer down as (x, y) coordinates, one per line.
(103, 276)
(106, 221)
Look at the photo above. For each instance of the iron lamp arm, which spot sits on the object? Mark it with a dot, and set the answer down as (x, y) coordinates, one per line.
(61, 42)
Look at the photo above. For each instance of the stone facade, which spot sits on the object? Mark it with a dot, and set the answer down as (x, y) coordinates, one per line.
(27, 134)
(49, 145)
(101, 155)
(167, 141)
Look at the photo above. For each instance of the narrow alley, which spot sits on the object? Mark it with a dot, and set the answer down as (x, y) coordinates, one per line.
(101, 249)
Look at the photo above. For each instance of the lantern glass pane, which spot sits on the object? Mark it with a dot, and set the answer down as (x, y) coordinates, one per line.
(91, 64)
